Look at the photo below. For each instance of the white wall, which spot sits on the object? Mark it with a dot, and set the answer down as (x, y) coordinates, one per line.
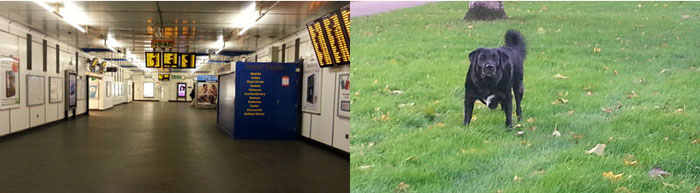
(14, 42)
(326, 127)
(160, 92)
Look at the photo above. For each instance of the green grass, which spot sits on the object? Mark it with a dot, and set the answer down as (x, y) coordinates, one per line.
(422, 51)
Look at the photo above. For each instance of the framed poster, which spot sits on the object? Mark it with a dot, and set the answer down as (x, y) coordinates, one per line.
(344, 94)
(148, 90)
(9, 76)
(81, 88)
(55, 89)
(181, 90)
(207, 93)
(35, 90)
(311, 88)
(94, 88)
(71, 89)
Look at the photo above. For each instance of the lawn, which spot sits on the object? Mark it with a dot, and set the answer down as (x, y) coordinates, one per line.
(624, 74)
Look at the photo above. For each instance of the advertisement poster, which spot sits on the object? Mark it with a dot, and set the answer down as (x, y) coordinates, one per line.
(72, 92)
(206, 93)
(35, 90)
(311, 92)
(93, 90)
(81, 88)
(344, 94)
(181, 90)
(55, 88)
(9, 74)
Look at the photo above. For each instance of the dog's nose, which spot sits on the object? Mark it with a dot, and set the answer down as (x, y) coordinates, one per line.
(490, 67)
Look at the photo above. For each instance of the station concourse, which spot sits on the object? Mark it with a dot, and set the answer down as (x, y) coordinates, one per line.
(174, 96)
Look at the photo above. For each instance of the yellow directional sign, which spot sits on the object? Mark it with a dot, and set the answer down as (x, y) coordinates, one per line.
(187, 61)
(153, 60)
(169, 59)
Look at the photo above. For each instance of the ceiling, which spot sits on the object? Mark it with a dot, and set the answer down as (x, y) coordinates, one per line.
(194, 26)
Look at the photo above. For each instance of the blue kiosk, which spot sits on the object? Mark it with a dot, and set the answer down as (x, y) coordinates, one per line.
(260, 101)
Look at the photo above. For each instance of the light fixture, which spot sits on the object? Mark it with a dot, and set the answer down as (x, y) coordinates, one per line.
(219, 44)
(70, 15)
(110, 42)
(246, 19)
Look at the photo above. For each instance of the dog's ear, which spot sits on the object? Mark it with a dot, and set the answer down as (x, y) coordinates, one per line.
(473, 54)
(504, 60)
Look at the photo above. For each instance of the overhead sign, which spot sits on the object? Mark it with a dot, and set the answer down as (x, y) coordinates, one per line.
(330, 38)
(111, 69)
(162, 43)
(164, 77)
(207, 78)
(153, 60)
(187, 60)
(170, 60)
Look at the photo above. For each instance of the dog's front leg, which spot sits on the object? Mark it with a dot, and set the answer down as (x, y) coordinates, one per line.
(507, 106)
(468, 108)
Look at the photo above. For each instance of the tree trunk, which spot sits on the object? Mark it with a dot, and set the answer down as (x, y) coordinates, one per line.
(485, 11)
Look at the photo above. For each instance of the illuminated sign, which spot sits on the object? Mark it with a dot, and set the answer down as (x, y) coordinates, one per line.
(162, 43)
(164, 77)
(330, 38)
(170, 60)
(187, 61)
(153, 60)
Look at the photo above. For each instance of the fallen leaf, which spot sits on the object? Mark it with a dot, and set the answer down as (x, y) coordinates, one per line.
(556, 133)
(679, 110)
(541, 30)
(630, 163)
(616, 72)
(658, 172)
(366, 167)
(436, 102)
(612, 177)
(516, 178)
(665, 5)
(571, 112)
(639, 5)
(375, 82)
(439, 124)
(406, 105)
(385, 117)
(560, 101)
(596, 49)
(538, 172)
(589, 93)
(396, 92)
(632, 95)
(545, 8)
(517, 126)
(531, 120)
(665, 138)
(607, 110)
(409, 158)
(610, 139)
(663, 70)
(520, 133)
(402, 187)
(470, 27)
(598, 150)
(697, 141)
(532, 128)
(559, 76)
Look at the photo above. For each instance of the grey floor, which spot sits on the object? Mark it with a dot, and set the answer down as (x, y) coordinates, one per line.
(161, 147)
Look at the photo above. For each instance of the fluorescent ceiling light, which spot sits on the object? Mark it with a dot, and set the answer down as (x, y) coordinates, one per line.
(70, 13)
(246, 19)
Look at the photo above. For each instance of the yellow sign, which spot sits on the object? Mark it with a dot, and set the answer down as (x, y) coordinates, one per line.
(153, 60)
(169, 59)
(187, 61)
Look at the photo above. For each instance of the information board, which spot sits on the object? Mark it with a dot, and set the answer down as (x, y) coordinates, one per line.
(35, 90)
(330, 38)
(55, 89)
(170, 59)
(187, 60)
(71, 89)
(181, 90)
(153, 60)
(267, 101)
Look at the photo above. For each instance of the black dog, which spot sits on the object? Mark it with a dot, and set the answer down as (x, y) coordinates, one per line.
(493, 72)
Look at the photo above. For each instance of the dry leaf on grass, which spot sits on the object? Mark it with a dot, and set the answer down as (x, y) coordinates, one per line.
(632, 95)
(520, 133)
(559, 76)
(517, 178)
(612, 177)
(531, 120)
(615, 72)
(624, 189)
(598, 150)
(571, 112)
(560, 101)
(365, 167)
(556, 133)
(596, 49)
(402, 187)
(672, 186)
(607, 110)
(631, 163)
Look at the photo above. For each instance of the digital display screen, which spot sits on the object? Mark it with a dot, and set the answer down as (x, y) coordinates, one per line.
(187, 61)
(181, 89)
(330, 38)
(170, 60)
(153, 60)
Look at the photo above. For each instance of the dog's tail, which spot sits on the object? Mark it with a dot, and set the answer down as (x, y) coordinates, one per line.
(516, 41)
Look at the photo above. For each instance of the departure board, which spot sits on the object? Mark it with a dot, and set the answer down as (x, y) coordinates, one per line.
(330, 38)
(187, 61)
(345, 13)
(153, 60)
(170, 60)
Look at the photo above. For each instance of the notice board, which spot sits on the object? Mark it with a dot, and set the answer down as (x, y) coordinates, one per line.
(266, 103)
